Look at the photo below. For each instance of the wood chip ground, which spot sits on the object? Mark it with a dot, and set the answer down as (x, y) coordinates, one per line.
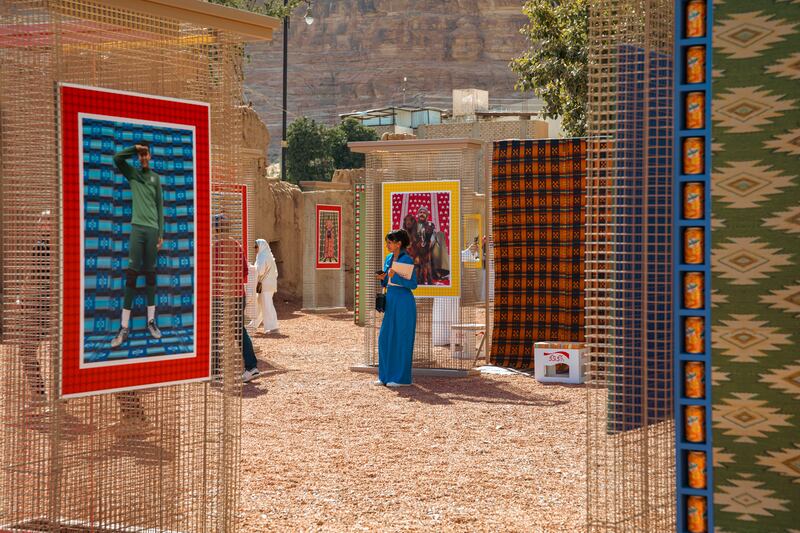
(324, 450)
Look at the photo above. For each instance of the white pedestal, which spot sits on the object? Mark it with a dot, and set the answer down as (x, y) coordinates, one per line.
(464, 340)
(559, 362)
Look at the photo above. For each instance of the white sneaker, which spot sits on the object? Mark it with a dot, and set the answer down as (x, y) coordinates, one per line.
(377, 382)
(121, 337)
(153, 329)
(247, 375)
(394, 384)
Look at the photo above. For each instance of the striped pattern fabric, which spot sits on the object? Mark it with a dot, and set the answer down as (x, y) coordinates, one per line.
(539, 197)
(107, 216)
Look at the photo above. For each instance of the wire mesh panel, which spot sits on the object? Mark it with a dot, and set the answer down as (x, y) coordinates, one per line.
(81, 463)
(631, 471)
(430, 189)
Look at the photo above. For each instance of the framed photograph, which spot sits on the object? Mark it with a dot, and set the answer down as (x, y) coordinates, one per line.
(136, 255)
(329, 236)
(429, 211)
(472, 244)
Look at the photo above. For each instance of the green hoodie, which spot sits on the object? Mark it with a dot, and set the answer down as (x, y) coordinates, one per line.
(148, 205)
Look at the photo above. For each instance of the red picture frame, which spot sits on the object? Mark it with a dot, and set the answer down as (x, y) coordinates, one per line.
(78, 380)
(328, 254)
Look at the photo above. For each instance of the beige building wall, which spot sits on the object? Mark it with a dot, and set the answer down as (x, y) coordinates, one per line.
(486, 131)
(279, 218)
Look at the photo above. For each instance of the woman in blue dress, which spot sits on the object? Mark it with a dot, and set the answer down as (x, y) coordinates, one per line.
(399, 326)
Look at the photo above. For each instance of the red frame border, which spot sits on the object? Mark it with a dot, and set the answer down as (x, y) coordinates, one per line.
(76, 381)
(319, 209)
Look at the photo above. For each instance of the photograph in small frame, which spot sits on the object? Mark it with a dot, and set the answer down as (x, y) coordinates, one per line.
(329, 236)
(472, 246)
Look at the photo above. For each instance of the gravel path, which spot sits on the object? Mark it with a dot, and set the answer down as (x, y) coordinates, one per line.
(323, 450)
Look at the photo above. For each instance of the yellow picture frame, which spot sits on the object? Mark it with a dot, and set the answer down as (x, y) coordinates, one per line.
(454, 189)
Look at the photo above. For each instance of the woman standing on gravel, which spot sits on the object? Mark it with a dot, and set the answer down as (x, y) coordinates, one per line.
(396, 339)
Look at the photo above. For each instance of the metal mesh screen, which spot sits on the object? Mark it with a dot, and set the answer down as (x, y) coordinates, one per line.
(450, 329)
(64, 465)
(631, 463)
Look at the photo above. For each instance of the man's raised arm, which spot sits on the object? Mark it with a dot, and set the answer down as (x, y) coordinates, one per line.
(121, 162)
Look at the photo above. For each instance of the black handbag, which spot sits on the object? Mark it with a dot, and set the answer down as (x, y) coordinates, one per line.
(380, 302)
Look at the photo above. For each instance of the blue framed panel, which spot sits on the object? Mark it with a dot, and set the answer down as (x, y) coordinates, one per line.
(689, 517)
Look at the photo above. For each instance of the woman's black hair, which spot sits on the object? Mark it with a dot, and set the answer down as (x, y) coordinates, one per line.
(399, 235)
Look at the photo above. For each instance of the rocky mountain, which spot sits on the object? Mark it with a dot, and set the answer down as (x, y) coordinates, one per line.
(356, 53)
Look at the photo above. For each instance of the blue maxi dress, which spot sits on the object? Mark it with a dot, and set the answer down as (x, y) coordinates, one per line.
(399, 326)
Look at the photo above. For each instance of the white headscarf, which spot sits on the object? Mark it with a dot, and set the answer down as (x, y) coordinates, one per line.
(266, 268)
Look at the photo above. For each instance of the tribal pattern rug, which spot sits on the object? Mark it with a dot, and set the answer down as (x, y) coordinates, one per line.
(755, 252)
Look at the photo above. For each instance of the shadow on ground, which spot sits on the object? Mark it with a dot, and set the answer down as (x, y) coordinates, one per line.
(438, 391)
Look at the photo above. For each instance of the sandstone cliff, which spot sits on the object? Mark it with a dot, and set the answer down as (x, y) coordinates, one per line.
(357, 52)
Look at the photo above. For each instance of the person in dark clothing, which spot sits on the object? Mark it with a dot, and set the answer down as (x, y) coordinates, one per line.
(228, 249)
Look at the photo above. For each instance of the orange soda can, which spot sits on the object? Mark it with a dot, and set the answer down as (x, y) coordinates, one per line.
(695, 422)
(695, 110)
(696, 18)
(693, 155)
(693, 200)
(693, 246)
(694, 379)
(693, 290)
(696, 517)
(696, 466)
(696, 64)
(694, 335)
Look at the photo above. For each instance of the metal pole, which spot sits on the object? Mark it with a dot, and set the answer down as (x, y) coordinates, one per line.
(285, 69)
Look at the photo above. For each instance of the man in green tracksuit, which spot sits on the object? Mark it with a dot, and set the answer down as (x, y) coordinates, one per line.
(147, 235)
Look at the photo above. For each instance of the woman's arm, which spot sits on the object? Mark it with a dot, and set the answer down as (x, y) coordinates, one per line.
(397, 279)
(384, 278)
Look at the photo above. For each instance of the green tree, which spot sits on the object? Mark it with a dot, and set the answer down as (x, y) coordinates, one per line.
(308, 154)
(555, 65)
(273, 8)
(349, 130)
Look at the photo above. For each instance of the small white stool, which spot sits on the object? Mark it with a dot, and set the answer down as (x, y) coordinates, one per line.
(559, 362)
(465, 337)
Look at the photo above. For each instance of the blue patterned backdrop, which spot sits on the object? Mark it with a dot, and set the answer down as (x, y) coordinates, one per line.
(107, 216)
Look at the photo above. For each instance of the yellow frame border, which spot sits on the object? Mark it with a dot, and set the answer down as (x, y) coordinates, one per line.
(452, 187)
